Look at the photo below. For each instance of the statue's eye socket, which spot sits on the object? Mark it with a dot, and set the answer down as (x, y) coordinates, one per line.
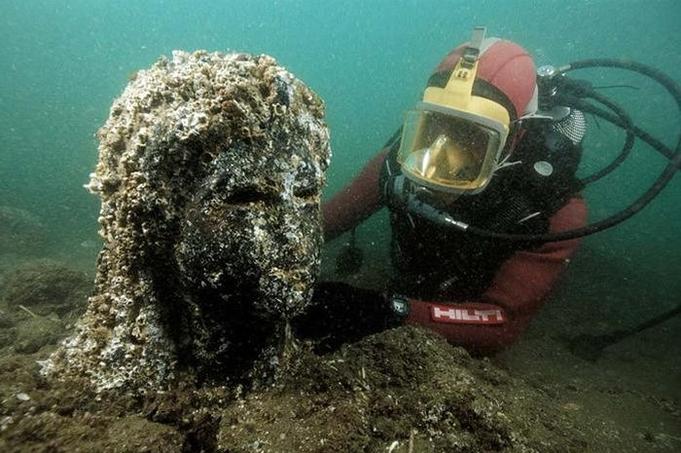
(247, 195)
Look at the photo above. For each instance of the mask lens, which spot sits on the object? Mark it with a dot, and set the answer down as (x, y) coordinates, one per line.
(448, 152)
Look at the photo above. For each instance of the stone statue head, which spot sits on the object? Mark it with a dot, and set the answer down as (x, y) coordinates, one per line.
(210, 173)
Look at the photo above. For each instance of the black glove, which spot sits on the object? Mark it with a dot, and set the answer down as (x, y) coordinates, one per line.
(342, 313)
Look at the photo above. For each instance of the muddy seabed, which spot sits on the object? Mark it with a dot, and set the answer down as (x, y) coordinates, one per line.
(401, 390)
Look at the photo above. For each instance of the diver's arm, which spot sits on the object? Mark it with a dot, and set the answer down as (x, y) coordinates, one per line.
(517, 292)
(355, 202)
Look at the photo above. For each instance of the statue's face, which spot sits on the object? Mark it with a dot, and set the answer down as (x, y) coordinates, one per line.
(252, 232)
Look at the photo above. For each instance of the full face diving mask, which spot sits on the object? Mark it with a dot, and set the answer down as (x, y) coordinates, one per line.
(452, 140)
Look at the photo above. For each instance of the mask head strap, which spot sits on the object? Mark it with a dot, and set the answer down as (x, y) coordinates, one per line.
(460, 82)
(472, 51)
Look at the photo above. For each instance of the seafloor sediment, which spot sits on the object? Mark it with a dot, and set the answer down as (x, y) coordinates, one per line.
(401, 390)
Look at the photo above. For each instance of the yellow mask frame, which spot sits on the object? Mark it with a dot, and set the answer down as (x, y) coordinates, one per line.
(456, 101)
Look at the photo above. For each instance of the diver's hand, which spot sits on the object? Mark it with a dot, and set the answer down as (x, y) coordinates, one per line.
(342, 313)
(399, 306)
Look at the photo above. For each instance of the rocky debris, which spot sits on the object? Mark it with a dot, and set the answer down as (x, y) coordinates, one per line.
(54, 432)
(210, 172)
(404, 389)
(398, 388)
(20, 231)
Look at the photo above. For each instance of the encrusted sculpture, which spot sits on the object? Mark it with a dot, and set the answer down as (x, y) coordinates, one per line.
(210, 172)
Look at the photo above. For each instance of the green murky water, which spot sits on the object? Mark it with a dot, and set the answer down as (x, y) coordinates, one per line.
(63, 62)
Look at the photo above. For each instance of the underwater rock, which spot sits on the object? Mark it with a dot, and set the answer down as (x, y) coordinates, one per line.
(41, 297)
(5, 319)
(36, 332)
(210, 172)
(20, 231)
(7, 337)
(46, 287)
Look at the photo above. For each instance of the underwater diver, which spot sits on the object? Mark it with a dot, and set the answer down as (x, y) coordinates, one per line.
(484, 201)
